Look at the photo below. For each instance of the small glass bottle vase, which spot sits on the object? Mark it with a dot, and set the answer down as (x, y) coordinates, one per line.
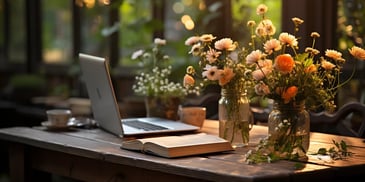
(235, 117)
(289, 129)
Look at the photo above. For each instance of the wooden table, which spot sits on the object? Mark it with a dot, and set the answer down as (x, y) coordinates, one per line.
(95, 155)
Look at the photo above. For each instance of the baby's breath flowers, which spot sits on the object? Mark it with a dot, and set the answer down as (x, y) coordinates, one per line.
(153, 80)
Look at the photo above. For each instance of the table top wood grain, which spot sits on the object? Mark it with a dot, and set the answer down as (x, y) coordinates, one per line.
(97, 144)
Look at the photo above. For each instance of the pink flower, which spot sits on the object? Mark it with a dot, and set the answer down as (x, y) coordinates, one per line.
(254, 57)
(288, 39)
(272, 45)
(225, 44)
(262, 89)
(192, 40)
(212, 55)
(211, 72)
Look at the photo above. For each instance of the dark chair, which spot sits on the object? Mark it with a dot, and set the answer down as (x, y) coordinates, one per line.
(349, 120)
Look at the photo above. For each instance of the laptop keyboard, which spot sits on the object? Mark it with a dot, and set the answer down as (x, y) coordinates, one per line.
(143, 125)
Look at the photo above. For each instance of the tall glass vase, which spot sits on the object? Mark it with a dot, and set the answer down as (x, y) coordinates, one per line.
(289, 129)
(235, 117)
(162, 107)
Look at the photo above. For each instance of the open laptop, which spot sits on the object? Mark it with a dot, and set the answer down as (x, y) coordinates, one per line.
(96, 75)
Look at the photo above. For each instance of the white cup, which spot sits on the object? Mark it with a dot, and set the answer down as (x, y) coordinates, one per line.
(59, 117)
(193, 115)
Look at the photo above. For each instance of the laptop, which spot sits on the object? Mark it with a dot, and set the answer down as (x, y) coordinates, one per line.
(95, 74)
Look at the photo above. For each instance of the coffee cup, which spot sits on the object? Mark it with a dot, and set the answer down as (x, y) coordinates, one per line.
(193, 115)
(59, 117)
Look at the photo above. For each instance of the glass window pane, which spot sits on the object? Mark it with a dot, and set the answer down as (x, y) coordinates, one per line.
(136, 28)
(17, 37)
(94, 29)
(57, 31)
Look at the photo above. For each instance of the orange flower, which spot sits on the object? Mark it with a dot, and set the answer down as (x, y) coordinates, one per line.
(289, 93)
(189, 81)
(227, 75)
(310, 69)
(284, 63)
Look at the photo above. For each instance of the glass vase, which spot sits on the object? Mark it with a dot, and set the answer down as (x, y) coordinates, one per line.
(289, 129)
(162, 107)
(235, 117)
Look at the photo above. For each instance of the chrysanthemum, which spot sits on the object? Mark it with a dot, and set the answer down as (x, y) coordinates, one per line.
(333, 54)
(288, 39)
(254, 56)
(192, 40)
(212, 55)
(327, 65)
(272, 45)
(225, 44)
(357, 52)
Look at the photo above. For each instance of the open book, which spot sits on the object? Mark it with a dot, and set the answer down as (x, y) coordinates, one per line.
(178, 146)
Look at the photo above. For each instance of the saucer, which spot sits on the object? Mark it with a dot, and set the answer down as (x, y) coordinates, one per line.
(50, 126)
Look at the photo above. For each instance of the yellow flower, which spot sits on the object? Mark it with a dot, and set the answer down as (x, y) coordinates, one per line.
(207, 38)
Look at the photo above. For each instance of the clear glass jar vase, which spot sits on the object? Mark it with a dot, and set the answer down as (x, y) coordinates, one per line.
(162, 107)
(289, 129)
(235, 117)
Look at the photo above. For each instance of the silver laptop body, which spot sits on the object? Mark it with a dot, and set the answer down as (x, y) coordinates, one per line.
(96, 76)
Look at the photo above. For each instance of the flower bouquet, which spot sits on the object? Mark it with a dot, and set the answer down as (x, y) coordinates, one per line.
(162, 96)
(295, 81)
(221, 62)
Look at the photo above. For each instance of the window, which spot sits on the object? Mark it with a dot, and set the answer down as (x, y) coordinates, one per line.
(17, 38)
(57, 31)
